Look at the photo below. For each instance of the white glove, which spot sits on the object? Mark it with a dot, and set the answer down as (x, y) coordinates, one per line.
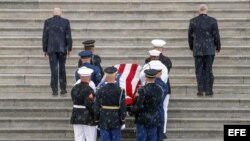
(123, 127)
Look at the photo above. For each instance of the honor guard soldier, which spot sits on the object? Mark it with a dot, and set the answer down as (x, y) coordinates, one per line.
(154, 54)
(158, 45)
(95, 59)
(86, 58)
(110, 108)
(145, 108)
(162, 110)
(83, 108)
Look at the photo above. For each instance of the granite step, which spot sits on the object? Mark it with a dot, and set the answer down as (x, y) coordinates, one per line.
(120, 41)
(124, 32)
(125, 13)
(65, 4)
(122, 22)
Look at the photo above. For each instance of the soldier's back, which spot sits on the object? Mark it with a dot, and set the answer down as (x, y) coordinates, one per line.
(81, 113)
(109, 99)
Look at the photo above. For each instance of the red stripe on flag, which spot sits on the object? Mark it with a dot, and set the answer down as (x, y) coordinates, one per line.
(121, 68)
(129, 79)
(129, 102)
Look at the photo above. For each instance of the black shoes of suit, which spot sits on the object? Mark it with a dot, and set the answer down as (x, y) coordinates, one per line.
(200, 94)
(54, 93)
(63, 93)
(207, 94)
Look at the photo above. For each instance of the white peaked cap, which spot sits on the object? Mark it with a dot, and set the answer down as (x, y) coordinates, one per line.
(84, 71)
(156, 64)
(154, 52)
(158, 43)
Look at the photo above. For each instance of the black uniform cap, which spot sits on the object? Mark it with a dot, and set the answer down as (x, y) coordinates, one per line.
(110, 70)
(151, 73)
(89, 43)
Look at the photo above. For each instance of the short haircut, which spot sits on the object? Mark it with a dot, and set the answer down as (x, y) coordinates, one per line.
(203, 7)
(89, 47)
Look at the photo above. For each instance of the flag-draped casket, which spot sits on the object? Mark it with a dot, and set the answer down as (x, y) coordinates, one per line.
(129, 80)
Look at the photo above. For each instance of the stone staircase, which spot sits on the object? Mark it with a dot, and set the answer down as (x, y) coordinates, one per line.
(123, 30)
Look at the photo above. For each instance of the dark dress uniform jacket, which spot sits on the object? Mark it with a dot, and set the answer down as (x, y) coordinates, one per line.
(168, 63)
(57, 35)
(80, 96)
(203, 35)
(95, 60)
(146, 106)
(110, 95)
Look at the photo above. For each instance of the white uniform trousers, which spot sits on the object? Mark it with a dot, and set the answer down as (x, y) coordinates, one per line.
(84, 132)
(165, 107)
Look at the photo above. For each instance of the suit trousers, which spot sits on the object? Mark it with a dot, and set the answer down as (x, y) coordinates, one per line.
(84, 132)
(58, 60)
(204, 72)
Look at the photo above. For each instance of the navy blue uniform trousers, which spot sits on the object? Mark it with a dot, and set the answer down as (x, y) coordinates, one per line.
(146, 133)
(113, 134)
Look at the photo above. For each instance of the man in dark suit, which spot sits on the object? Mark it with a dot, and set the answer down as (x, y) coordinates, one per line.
(204, 40)
(57, 44)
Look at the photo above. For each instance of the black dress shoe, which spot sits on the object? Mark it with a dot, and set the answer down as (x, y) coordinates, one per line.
(200, 94)
(55, 93)
(165, 136)
(63, 92)
(209, 94)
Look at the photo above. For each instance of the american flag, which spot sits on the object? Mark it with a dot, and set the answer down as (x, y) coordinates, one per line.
(129, 80)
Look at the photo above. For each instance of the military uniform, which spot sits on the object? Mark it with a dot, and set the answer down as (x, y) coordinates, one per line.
(96, 75)
(149, 65)
(145, 109)
(163, 115)
(164, 59)
(168, 63)
(83, 111)
(95, 59)
(110, 110)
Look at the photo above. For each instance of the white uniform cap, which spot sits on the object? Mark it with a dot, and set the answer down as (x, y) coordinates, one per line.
(154, 64)
(154, 52)
(157, 65)
(83, 71)
(158, 43)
